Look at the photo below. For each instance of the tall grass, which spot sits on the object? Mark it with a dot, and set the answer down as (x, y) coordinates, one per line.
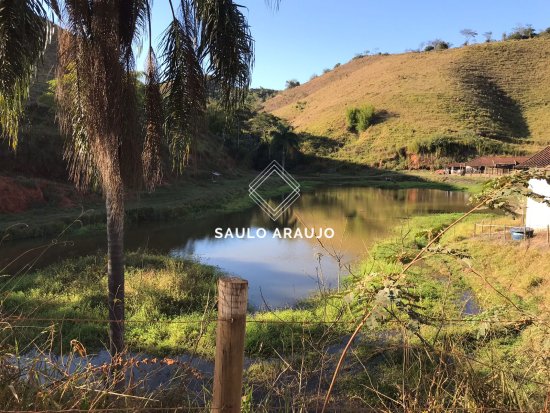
(419, 353)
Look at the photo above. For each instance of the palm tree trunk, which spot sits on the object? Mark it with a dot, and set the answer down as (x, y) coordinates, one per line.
(115, 270)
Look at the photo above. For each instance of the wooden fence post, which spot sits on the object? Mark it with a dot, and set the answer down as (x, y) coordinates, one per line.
(228, 367)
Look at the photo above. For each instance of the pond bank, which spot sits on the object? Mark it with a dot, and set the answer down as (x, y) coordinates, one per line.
(194, 199)
(289, 349)
(177, 297)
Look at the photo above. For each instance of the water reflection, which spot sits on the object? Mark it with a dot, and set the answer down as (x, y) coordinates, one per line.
(279, 271)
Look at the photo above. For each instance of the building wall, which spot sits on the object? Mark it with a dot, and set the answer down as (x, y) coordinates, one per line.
(538, 213)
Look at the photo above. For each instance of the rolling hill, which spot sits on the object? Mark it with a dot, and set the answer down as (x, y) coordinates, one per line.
(431, 106)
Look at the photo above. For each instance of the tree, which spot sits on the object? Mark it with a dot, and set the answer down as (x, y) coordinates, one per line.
(436, 44)
(284, 138)
(292, 83)
(521, 32)
(469, 35)
(96, 93)
(488, 37)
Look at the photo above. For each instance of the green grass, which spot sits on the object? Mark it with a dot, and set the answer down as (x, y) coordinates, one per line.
(158, 289)
(167, 289)
(175, 295)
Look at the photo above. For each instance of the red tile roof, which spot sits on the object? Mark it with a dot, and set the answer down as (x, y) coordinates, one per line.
(494, 161)
(538, 160)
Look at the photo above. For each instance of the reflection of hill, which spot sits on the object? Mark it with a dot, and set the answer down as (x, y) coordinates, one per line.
(359, 217)
(363, 215)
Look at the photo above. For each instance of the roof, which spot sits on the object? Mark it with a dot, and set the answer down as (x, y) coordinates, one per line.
(494, 161)
(538, 160)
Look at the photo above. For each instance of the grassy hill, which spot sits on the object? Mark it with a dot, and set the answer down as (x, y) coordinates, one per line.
(484, 98)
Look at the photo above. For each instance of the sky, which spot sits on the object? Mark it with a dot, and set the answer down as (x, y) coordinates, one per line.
(303, 37)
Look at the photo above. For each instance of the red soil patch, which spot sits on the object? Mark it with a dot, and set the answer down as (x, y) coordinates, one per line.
(15, 197)
(19, 195)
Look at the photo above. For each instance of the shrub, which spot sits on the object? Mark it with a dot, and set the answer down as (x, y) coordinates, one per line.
(359, 119)
(365, 117)
(352, 117)
(336, 65)
(292, 83)
(437, 44)
(301, 105)
(521, 32)
(459, 147)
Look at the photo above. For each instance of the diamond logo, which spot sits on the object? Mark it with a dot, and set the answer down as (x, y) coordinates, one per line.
(273, 170)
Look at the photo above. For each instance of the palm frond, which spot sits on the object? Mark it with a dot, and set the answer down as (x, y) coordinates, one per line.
(227, 45)
(97, 109)
(185, 97)
(151, 158)
(207, 37)
(131, 133)
(54, 6)
(71, 116)
(77, 17)
(273, 4)
(24, 35)
(133, 20)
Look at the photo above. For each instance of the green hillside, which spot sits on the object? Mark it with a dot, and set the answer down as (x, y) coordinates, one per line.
(430, 106)
(40, 145)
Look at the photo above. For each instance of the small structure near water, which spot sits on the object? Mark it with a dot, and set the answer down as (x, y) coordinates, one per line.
(521, 233)
(492, 165)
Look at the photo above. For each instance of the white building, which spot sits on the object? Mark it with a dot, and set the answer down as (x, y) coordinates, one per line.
(537, 214)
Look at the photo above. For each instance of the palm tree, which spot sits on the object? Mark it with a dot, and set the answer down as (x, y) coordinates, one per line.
(96, 93)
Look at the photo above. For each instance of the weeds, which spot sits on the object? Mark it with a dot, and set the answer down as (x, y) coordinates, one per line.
(418, 351)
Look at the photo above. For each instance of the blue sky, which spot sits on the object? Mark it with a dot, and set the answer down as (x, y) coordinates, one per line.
(305, 36)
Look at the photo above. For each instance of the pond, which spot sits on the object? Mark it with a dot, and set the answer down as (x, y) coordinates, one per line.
(280, 271)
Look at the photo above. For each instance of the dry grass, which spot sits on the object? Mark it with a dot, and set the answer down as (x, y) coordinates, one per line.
(499, 90)
(521, 269)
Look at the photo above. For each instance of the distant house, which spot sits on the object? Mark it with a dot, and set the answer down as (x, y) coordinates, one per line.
(537, 214)
(456, 168)
(493, 165)
(496, 165)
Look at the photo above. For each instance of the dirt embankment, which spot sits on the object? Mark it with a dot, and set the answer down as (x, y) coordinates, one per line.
(20, 194)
